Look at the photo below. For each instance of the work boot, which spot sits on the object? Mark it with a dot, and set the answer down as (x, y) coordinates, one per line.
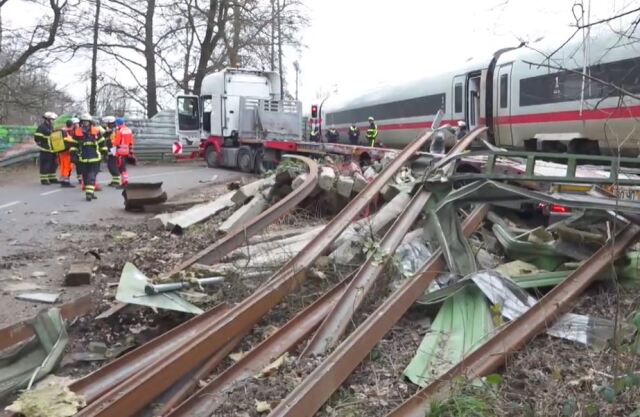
(54, 181)
(95, 197)
(67, 184)
(88, 197)
(45, 182)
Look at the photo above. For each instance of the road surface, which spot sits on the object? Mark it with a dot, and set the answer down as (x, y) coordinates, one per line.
(28, 208)
(42, 228)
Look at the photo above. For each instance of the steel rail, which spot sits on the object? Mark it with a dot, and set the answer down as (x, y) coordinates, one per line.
(517, 333)
(211, 396)
(187, 386)
(127, 399)
(235, 239)
(106, 377)
(337, 321)
(19, 332)
(316, 389)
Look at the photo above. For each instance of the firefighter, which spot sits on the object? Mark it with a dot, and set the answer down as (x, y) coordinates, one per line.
(123, 144)
(314, 136)
(75, 121)
(462, 130)
(354, 134)
(332, 135)
(48, 159)
(108, 124)
(372, 132)
(88, 150)
(64, 157)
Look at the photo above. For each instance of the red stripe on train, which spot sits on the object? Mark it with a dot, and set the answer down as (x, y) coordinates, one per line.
(571, 116)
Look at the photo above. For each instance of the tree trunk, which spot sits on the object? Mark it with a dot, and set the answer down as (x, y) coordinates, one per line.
(150, 58)
(94, 61)
(234, 58)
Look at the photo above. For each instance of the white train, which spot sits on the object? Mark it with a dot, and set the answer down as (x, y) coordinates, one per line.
(524, 105)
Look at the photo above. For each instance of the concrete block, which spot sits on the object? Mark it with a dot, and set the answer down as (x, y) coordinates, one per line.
(344, 186)
(245, 192)
(80, 273)
(246, 213)
(327, 178)
(359, 182)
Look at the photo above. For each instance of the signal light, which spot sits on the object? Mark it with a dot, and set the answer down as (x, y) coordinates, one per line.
(556, 208)
(314, 111)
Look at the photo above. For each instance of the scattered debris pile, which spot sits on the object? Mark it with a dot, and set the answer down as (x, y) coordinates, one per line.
(390, 289)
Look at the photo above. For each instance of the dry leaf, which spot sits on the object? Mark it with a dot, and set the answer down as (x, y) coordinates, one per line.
(263, 406)
(273, 366)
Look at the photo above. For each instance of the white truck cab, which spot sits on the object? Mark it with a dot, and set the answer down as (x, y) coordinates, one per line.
(239, 104)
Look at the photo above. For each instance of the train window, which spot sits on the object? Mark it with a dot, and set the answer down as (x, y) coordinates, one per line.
(567, 85)
(457, 99)
(504, 91)
(413, 107)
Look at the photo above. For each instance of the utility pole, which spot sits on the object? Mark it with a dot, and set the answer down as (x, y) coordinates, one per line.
(273, 35)
(94, 62)
(280, 48)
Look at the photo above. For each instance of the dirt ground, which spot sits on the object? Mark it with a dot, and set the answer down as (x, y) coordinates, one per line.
(549, 377)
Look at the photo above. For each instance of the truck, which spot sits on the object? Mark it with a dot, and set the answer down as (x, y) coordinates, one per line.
(241, 121)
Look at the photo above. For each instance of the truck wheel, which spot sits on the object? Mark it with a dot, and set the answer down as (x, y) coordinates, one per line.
(245, 160)
(210, 157)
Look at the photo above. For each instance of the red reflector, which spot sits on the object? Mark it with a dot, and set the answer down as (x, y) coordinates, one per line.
(555, 208)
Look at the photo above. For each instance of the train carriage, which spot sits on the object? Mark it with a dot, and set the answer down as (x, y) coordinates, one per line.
(526, 100)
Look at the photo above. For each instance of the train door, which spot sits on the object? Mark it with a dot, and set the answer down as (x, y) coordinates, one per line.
(457, 92)
(502, 106)
(473, 101)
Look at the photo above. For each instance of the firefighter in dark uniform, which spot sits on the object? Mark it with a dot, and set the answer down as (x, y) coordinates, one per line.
(48, 159)
(372, 132)
(354, 134)
(89, 148)
(314, 136)
(332, 135)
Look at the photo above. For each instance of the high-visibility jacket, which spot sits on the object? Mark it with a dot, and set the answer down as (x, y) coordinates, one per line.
(354, 132)
(42, 137)
(88, 144)
(372, 133)
(123, 140)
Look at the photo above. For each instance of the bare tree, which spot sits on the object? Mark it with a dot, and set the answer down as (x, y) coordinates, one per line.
(19, 47)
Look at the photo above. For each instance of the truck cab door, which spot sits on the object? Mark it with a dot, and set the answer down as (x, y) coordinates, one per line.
(188, 116)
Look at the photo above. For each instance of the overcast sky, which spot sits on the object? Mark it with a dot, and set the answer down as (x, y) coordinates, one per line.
(359, 44)
(353, 45)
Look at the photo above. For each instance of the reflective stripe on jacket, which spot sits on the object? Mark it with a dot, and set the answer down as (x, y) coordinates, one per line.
(372, 132)
(89, 145)
(42, 137)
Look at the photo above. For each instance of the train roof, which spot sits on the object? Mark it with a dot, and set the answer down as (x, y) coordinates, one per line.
(402, 90)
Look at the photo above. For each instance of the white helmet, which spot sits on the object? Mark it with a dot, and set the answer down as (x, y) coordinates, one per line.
(461, 123)
(75, 120)
(86, 117)
(108, 119)
(50, 115)
(370, 119)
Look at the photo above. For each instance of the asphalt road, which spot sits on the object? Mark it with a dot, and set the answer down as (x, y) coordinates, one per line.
(42, 227)
(27, 209)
